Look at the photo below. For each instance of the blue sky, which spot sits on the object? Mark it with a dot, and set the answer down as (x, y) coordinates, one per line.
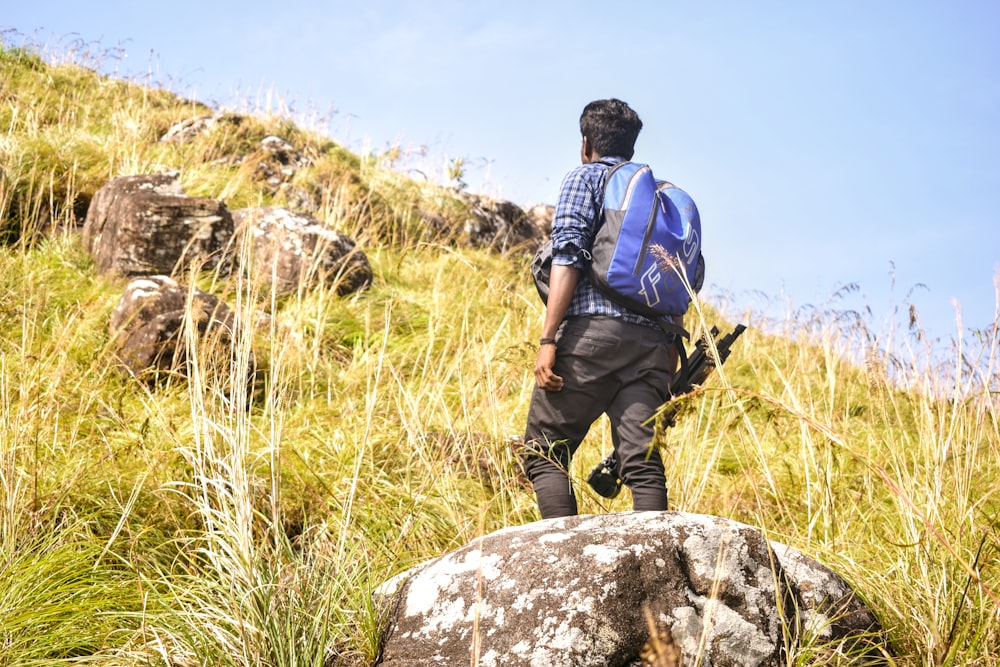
(826, 144)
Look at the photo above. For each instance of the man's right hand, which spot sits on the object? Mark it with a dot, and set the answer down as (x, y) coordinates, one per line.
(544, 362)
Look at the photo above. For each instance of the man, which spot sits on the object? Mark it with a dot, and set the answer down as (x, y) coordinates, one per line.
(595, 356)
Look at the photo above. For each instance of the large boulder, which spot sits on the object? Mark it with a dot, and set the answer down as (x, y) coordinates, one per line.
(292, 250)
(497, 224)
(147, 328)
(96, 223)
(540, 217)
(597, 590)
(145, 225)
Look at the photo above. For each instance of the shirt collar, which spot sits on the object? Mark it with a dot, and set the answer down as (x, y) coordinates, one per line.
(612, 160)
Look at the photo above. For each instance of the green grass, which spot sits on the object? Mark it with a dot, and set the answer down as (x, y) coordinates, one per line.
(183, 525)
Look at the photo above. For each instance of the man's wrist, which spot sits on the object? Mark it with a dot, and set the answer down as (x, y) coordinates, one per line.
(547, 341)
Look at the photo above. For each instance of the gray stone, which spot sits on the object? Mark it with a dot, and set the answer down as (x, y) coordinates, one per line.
(496, 224)
(575, 591)
(294, 250)
(96, 224)
(147, 328)
(276, 162)
(145, 225)
(540, 218)
(189, 129)
(192, 128)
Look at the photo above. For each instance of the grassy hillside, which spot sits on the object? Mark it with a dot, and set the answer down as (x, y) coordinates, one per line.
(178, 525)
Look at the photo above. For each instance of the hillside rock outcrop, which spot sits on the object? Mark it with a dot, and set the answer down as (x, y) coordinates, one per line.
(496, 224)
(540, 218)
(146, 225)
(294, 250)
(574, 592)
(147, 328)
(190, 129)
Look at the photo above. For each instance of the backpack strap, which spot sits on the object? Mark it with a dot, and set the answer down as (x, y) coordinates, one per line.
(675, 331)
(676, 334)
(685, 369)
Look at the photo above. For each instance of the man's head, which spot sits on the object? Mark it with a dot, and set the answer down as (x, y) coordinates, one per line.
(610, 127)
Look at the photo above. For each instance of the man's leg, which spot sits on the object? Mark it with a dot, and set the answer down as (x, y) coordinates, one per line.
(645, 380)
(558, 421)
(640, 465)
(546, 465)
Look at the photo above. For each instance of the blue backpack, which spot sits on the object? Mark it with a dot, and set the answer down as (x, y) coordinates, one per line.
(650, 234)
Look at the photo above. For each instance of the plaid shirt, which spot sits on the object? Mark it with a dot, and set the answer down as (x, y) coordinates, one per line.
(579, 213)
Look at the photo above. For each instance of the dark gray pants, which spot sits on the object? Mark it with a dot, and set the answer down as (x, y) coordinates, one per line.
(612, 367)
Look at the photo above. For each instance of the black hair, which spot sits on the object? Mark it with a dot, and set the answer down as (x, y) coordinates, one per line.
(611, 127)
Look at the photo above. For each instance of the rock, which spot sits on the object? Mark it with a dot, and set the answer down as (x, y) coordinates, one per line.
(540, 218)
(436, 227)
(574, 592)
(190, 129)
(293, 250)
(104, 200)
(496, 224)
(147, 325)
(306, 200)
(276, 162)
(145, 225)
(829, 610)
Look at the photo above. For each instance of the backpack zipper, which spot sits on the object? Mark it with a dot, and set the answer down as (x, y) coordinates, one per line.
(644, 248)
